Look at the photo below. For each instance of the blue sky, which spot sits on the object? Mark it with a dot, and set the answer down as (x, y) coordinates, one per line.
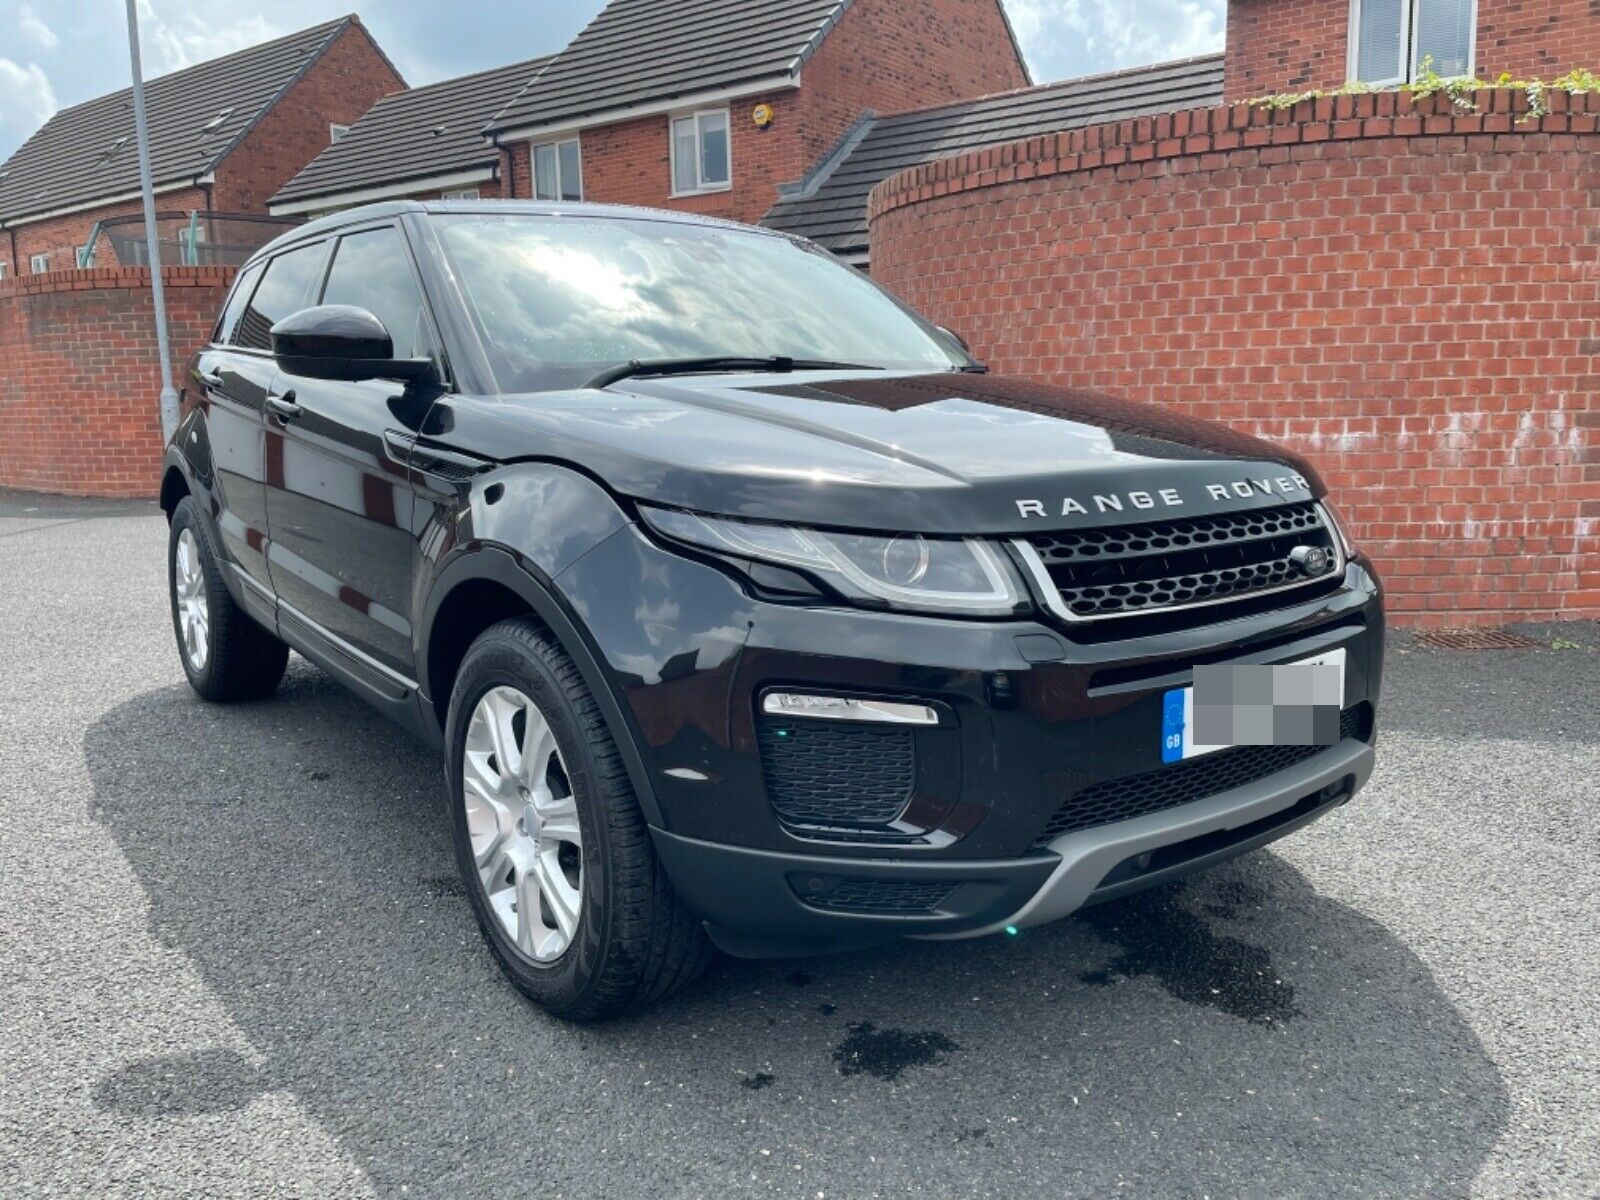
(58, 52)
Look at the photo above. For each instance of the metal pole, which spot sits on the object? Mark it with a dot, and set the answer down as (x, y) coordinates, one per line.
(169, 395)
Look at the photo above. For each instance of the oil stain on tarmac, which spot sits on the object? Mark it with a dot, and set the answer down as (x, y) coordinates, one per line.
(888, 1053)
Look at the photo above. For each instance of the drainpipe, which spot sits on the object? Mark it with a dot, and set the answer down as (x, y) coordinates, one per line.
(169, 395)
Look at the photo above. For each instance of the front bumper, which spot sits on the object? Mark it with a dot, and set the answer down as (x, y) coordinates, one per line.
(755, 906)
(1028, 718)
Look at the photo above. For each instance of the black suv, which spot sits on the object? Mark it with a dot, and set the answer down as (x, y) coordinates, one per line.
(747, 608)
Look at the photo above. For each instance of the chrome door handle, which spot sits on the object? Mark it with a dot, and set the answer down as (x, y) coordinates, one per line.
(212, 379)
(284, 406)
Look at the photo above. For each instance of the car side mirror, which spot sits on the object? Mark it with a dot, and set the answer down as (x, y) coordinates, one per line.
(340, 341)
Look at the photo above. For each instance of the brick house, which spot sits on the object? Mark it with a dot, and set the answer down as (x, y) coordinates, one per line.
(422, 144)
(710, 107)
(1298, 45)
(224, 135)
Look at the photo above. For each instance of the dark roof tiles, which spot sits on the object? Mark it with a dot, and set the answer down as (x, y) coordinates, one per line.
(644, 51)
(426, 132)
(833, 210)
(85, 153)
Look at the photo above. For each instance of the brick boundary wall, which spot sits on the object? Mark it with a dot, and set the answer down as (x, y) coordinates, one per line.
(79, 380)
(1406, 293)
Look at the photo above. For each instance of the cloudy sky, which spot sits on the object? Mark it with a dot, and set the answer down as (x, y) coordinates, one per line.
(58, 52)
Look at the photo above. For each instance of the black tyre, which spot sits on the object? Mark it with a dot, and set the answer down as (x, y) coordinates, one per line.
(225, 654)
(550, 839)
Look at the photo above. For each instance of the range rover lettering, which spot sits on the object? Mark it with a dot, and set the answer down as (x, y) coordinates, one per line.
(746, 608)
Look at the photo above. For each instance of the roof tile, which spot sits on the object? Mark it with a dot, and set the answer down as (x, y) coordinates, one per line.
(86, 153)
(832, 211)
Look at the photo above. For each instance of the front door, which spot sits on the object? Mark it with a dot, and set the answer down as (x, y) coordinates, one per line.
(338, 500)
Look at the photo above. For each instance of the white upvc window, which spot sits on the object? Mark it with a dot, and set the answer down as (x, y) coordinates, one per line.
(471, 193)
(337, 131)
(1391, 39)
(558, 170)
(702, 155)
(5, 269)
(39, 263)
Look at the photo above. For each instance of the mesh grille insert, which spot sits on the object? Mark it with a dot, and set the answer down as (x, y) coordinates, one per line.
(1195, 560)
(821, 773)
(1180, 783)
(841, 894)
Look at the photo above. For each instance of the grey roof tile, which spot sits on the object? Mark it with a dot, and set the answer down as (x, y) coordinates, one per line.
(833, 211)
(428, 131)
(641, 51)
(86, 153)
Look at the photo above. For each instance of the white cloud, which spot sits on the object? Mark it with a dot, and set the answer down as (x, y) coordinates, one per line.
(33, 28)
(1065, 38)
(171, 40)
(26, 98)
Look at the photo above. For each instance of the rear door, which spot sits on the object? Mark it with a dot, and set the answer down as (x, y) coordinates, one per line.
(338, 499)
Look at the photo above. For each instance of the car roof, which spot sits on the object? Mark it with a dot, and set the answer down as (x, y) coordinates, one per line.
(323, 226)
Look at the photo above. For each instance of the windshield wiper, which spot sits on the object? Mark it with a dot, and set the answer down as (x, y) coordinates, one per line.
(721, 362)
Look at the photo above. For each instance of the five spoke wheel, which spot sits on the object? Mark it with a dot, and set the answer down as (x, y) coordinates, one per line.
(523, 823)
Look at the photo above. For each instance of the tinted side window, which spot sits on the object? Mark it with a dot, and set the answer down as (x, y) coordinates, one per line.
(373, 271)
(284, 289)
(245, 284)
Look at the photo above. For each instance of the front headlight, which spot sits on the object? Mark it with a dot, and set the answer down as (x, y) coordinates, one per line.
(909, 571)
(1339, 528)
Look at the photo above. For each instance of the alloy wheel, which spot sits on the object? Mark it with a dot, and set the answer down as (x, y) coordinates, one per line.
(194, 615)
(523, 823)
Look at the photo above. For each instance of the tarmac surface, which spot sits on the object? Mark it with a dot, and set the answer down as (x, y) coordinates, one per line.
(237, 961)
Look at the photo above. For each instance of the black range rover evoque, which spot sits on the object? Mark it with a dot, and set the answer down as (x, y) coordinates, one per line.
(746, 607)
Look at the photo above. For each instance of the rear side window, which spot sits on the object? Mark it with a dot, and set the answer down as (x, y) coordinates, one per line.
(372, 270)
(236, 302)
(285, 289)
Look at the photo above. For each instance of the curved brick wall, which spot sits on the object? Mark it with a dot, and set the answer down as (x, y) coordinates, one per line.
(1408, 295)
(79, 381)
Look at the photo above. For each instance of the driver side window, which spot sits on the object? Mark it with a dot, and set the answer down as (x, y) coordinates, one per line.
(372, 270)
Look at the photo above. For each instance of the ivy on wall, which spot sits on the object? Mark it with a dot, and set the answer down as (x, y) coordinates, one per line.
(1463, 90)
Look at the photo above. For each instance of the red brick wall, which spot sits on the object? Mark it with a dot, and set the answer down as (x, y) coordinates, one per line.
(887, 55)
(1407, 296)
(1298, 45)
(79, 384)
(349, 78)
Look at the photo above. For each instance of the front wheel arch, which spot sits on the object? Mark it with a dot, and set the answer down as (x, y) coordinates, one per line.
(476, 591)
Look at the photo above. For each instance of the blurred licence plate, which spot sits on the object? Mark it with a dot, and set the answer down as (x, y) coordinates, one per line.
(1255, 705)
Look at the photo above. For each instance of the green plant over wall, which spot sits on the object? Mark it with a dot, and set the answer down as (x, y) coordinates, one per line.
(1462, 90)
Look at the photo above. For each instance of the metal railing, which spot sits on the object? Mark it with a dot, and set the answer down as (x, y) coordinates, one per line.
(191, 239)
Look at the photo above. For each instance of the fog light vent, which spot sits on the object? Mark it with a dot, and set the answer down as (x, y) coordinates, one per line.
(836, 773)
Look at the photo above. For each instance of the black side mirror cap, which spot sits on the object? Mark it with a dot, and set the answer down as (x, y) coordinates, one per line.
(342, 342)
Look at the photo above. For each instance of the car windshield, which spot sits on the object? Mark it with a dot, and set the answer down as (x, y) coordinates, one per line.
(559, 299)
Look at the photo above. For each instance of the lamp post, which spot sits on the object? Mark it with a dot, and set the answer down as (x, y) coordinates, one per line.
(169, 395)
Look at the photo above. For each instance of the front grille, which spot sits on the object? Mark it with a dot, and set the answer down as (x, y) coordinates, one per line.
(1180, 783)
(842, 894)
(818, 773)
(1146, 568)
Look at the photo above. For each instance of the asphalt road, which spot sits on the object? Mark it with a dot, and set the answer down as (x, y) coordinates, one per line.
(236, 961)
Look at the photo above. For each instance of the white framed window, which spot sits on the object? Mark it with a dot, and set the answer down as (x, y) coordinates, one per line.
(461, 194)
(1391, 39)
(558, 170)
(337, 131)
(702, 154)
(5, 269)
(39, 263)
